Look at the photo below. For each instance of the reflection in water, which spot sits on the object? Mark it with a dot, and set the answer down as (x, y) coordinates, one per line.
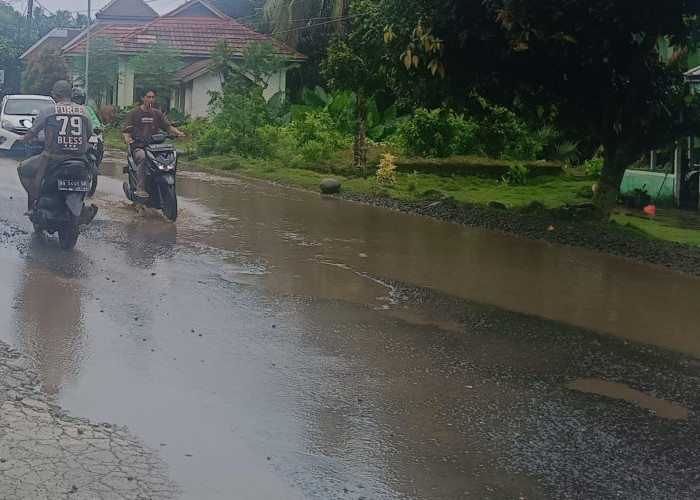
(300, 233)
(48, 323)
(148, 240)
(661, 407)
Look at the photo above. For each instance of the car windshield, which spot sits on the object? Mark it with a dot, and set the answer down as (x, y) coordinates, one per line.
(26, 106)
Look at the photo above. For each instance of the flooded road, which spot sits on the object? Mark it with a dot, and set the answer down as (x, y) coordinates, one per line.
(278, 344)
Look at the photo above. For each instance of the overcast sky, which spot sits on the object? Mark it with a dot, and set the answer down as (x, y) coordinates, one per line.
(160, 6)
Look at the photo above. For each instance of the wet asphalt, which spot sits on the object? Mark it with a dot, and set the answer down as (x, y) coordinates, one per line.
(264, 347)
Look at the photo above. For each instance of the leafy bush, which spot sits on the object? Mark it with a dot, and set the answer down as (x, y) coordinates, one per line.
(316, 136)
(437, 133)
(386, 173)
(517, 174)
(194, 128)
(593, 167)
(175, 115)
(502, 135)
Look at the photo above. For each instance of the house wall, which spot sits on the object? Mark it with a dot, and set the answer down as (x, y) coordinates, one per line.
(125, 91)
(199, 98)
(276, 83)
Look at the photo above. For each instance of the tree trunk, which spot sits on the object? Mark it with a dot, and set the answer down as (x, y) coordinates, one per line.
(608, 189)
(360, 147)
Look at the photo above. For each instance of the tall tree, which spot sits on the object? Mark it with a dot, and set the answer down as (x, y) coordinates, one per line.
(307, 26)
(41, 73)
(103, 68)
(157, 68)
(600, 61)
(11, 46)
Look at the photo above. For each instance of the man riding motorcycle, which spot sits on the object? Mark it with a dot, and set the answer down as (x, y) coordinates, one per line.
(78, 97)
(67, 127)
(145, 120)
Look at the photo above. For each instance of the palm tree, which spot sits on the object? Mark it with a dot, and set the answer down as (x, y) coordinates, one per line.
(286, 19)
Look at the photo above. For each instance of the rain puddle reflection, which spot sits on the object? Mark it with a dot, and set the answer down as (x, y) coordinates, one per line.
(615, 390)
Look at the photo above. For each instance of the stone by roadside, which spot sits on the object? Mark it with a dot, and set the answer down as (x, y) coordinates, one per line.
(674, 256)
(47, 454)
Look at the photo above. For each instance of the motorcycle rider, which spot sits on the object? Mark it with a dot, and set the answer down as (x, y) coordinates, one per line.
(146, 121)
(67, 127)
(78, 96)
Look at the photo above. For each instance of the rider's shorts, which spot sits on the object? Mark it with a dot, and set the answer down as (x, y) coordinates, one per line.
(29, 167)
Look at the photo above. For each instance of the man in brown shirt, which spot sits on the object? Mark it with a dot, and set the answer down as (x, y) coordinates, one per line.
(146, 121)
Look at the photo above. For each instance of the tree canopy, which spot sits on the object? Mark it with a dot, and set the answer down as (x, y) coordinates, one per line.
(600, 62)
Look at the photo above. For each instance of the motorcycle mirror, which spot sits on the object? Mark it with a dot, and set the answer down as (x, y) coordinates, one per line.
(127, 130)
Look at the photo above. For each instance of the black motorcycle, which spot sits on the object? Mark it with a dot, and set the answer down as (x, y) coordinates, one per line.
(161, 166)
(60, 203)
(94, 156)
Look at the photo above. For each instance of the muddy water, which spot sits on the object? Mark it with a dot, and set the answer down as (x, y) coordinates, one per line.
(250, 393)
(325, 247)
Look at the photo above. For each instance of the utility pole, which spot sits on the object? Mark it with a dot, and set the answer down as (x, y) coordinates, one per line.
(30, 11)
(87, 51)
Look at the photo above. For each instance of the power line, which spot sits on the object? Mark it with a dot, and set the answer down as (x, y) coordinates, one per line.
(343, 18)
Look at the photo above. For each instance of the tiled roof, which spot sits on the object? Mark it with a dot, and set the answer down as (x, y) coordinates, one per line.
(114, 31)
(192, 36)
(197, 36)
(188, 72)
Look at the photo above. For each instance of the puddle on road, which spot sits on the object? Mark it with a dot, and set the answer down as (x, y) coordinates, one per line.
(615, 390)
(297, 234)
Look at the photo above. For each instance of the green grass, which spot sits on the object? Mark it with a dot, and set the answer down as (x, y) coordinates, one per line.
(653, 229)
(551, 191)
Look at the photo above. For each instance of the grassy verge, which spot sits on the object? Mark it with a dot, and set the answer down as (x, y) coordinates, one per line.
(657, 230)
(551, 191)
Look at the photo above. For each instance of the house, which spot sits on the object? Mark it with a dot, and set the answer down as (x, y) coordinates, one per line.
(53, 40)
(192, 29)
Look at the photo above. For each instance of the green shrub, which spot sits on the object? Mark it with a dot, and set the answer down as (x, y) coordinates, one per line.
(316, 136)
(593, 167)
(194, 128)
(437, 134)
(517, 174)
(502, 135)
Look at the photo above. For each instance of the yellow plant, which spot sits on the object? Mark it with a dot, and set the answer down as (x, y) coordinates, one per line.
(386, 173)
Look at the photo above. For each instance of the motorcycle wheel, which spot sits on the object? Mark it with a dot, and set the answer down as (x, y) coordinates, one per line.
(68, 233)
(170, 203)
(127, 191)
(93, 184)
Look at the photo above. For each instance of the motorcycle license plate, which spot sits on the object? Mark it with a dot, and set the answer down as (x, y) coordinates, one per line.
(161, 147)
(73, 185)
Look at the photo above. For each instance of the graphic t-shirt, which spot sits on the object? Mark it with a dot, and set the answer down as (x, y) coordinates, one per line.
(67, 127)
(146, 123)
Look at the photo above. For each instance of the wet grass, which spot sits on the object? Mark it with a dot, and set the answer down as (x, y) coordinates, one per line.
(551, 191)
(653, 229)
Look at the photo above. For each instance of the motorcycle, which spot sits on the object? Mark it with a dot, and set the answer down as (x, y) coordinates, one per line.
(61, 200)
(60, 207)
(161, 166)
(94, 156)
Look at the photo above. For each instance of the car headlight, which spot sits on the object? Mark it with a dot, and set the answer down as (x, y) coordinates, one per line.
(7, 125)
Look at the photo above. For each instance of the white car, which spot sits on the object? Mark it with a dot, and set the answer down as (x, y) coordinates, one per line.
(17, 111)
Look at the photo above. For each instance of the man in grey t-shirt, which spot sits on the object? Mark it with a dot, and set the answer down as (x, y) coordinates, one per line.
(67, 127)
